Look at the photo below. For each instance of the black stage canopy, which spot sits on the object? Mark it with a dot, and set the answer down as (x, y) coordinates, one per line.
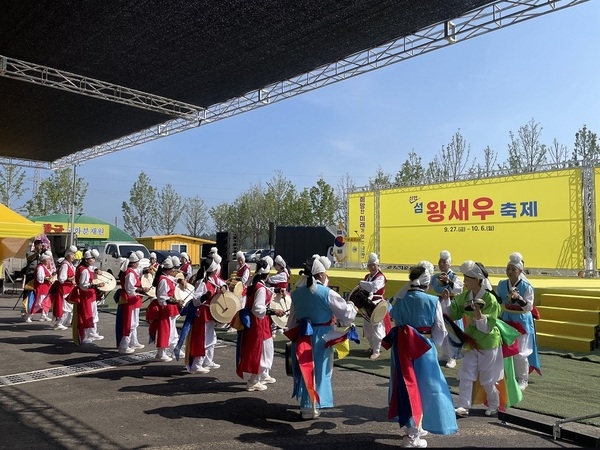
(198, 52)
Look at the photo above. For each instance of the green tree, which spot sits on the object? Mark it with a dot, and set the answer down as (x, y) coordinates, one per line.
(55, 194)
(343, 189)
(586, 146)
(558, 155)
(303, 215)
(138, 214)
(489, 167)
(220, 215)
(525, 151)
(455, 158)
(381, 180)
(411, 172)
(12, 184)
(195, 216)
(280, 197)
(323, 203)
(436, 172)
(169, 213)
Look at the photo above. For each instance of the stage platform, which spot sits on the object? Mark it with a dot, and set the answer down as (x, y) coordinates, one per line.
(347, 279)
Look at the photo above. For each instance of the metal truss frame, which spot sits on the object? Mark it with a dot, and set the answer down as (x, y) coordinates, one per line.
(477, 22)
(77, 84)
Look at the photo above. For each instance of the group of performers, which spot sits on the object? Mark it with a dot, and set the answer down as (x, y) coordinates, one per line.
(491, 332)
(70, 292)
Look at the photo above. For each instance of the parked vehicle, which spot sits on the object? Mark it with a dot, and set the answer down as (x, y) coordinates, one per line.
(253, 255)
(267, 252)
(162, 254)
(114, 253)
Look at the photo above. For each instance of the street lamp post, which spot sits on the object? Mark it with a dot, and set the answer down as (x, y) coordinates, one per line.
(72, 236)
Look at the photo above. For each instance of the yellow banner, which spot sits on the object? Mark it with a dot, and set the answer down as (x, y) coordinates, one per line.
(538, 215)
(82, 230)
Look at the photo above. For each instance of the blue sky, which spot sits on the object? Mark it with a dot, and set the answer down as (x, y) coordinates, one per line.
(546, 69)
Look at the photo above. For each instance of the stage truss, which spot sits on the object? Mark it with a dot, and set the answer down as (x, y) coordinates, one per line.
(491, 17)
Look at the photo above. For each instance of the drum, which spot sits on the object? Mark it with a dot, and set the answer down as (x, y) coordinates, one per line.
(223, 307)
(184, 295)
(30, 286)
(372, 309)
(281, 302)
(235, 286)
(105, 277)
(147, 280)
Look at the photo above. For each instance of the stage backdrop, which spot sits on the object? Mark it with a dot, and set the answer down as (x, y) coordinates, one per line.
(538, 214)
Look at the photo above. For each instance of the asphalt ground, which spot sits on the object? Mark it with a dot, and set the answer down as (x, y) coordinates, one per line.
(54, 394)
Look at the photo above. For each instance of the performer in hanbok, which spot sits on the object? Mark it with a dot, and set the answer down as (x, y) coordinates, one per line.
(242, 270)
(186, 266)
(314, 312)
(41, 288)
(162, 312)
(201, 338)
(279, 283)
(374, 283)
(448, 280)
(154, 265)
(255, 349)
(419, 396)
(62, 309)
(483, 359)
(128, 307)
(84, 300)
(516, 294)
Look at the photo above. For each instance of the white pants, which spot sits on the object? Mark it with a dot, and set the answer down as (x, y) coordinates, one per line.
(210, 340)
(374, 334)
(96, 316)
(489, 366)
(266, 361)
(67, 316)
(132, 339)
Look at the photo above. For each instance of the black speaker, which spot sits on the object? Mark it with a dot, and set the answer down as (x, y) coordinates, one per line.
(206, 250)
(222, 244)
(271, 234)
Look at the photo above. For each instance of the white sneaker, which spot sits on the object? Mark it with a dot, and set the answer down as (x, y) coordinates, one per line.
(42, 319)
(451, 364)
(87, 341)
(462, 412)
(258, 386)
(164, 358)
(309, 414)
(126, 351)
(268, 380)
(60, 327)
(212, 365)
(199, 370)
(491, 411)
(523, 384)
(374, 356)
(413, 442)
(47, 319)
(96, 337)
(137, 346)
(28, 319)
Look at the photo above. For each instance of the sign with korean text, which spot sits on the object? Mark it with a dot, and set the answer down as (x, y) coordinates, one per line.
(81, 230)
(538, 215)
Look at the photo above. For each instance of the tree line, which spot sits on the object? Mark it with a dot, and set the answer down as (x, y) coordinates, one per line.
(279, 201)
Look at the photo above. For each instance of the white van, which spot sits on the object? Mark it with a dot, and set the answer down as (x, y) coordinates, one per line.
(114, 253)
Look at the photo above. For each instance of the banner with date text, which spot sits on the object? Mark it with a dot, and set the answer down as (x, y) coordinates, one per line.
(537, 214)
